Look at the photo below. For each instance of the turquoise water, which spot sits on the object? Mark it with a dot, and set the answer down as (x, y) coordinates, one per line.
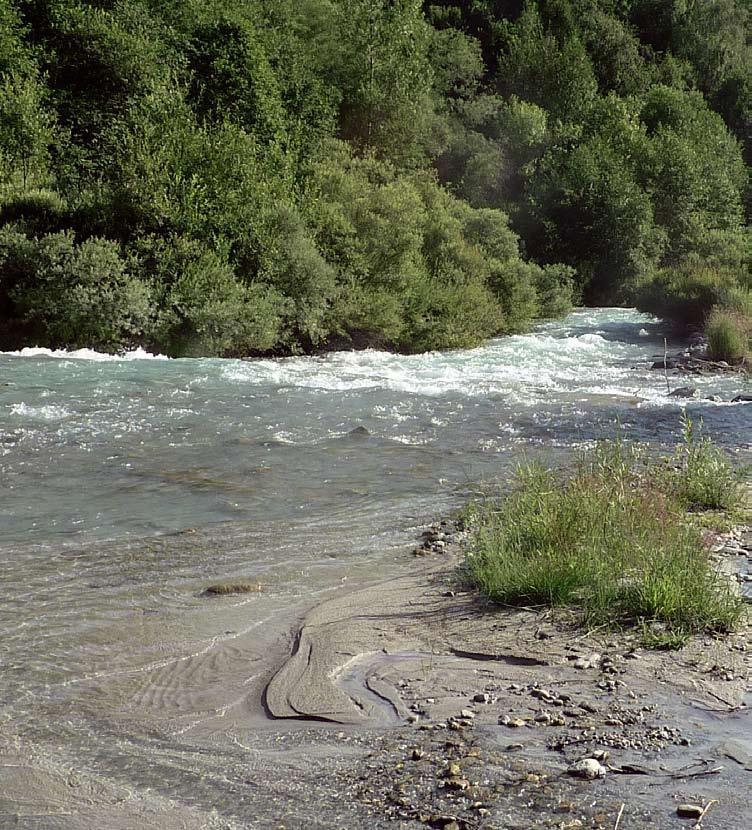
(98, 448)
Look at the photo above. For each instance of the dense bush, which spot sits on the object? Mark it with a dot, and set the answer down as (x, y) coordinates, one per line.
(687, 291)
(203, 308)
(74, 295)
(281, 176)
(728, 335)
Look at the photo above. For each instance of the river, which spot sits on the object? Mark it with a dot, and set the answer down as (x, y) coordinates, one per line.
(130, 483)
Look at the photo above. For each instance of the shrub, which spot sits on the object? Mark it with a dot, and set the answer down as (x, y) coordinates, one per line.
(35, 211)
(686, 292)
(701, 477)
(434, 272)
(738, 299)
(75, 295)
(513, 282)
(554, 285)
(204, 308)
(450, 314)
(297, 269)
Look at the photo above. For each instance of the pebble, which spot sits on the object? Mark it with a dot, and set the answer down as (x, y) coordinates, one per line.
(482, 698)
(543, 694)
(587, 662)
(467, 713)
(458, 784)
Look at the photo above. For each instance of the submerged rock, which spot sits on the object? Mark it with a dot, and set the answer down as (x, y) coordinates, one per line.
(742, 399)
(233, 588)
(684, 392)
(359, 432)
(670, 363)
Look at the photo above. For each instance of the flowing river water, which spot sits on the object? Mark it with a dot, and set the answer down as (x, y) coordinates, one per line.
(130, 483)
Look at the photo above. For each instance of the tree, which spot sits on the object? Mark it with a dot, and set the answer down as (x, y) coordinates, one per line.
(26, 130)
(381, 65)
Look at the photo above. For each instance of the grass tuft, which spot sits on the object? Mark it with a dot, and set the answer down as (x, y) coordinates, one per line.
(728, 334)
(701, 477)
(613, 540)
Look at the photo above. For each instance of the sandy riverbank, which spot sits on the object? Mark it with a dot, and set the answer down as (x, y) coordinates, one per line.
(483, 711)
(412, 703)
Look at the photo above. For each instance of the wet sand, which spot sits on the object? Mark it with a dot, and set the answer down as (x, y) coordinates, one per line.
(413, 703)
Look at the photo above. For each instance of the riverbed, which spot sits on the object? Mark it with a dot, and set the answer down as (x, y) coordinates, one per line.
(130, 483)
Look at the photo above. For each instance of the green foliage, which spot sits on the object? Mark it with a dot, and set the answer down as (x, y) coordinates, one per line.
(74, 295)
(380, 63)
(738, 300)
(601, 219)
(695, 174)
(552, 71)
(687, 291)
(232, 78)
(371, 170)
(299, 271)
(203, 307)
(608, 539)
(728, 335)
(404, 244)
(25, 131)
(700, 476)
(554, 285)
(513, 282)
(36, 211)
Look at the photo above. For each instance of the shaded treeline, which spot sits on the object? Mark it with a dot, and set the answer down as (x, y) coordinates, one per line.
(253, 176)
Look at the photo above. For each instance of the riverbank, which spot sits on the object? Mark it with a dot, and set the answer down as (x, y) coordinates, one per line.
(484, 712)
(405, 703)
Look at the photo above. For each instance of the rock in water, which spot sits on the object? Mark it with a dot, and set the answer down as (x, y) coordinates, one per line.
(588, 768)
(742, 399)
(685, 392)
(234, 588)
(359, 432)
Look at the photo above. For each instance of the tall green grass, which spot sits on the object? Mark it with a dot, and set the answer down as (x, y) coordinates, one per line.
(728, 334)
(700, 476)
(611, 539)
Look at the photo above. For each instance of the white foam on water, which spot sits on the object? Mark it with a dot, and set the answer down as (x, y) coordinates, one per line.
(85, 354)
(40, 413)
(523, 366)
